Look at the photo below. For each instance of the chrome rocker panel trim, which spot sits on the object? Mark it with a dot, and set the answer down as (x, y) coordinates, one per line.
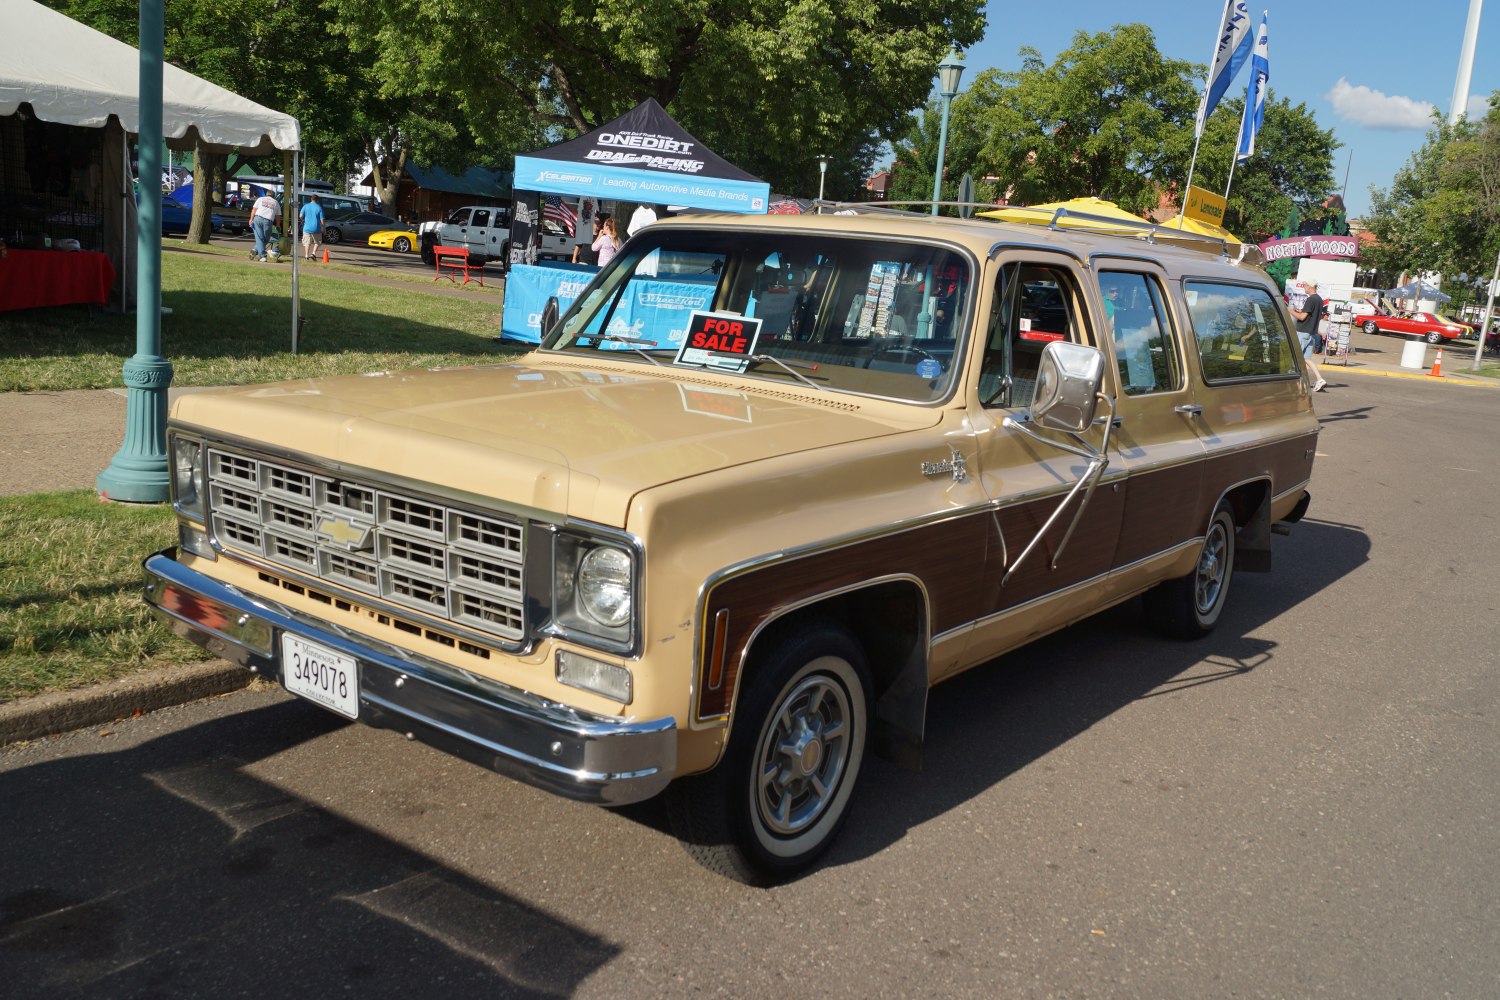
(576, 755)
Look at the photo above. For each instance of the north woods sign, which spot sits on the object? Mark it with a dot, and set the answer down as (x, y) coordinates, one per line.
(1317, 247)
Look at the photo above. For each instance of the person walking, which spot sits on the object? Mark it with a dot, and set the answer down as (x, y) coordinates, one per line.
(608, 242)
(263, 215)
(312, 227)
(1307, 330)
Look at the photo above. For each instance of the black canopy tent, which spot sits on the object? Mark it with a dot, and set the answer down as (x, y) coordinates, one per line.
(643, 156)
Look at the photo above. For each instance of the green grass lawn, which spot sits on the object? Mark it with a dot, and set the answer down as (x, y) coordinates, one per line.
(231, 325)
(71, 612)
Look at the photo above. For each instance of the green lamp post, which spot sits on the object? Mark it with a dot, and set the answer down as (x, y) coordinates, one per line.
(138, 472)
(950, 70)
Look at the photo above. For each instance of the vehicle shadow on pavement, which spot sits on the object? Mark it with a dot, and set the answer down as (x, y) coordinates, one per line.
(1000, 717)
(157, 871)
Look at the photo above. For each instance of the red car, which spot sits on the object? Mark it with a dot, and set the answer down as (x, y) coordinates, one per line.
(1420, 324)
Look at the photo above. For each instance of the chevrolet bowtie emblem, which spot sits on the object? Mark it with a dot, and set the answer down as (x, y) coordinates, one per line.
(353, 537)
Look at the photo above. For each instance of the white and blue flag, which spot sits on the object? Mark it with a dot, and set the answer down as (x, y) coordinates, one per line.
(1232, 51)
(1255, 92)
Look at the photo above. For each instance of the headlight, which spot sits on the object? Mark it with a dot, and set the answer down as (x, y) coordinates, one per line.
(187, 476)
(604, 582)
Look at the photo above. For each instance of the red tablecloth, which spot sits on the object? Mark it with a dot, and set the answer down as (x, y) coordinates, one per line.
(32, 278)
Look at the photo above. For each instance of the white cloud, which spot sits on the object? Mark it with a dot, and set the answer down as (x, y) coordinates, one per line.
(1479, 106)
(1363, 106)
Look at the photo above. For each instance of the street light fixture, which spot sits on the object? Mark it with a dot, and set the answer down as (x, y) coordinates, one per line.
(822, 173)
(949, 72)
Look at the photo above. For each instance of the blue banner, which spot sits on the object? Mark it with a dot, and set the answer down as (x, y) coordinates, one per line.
(527, 288)
(647, 186)
(653, 308)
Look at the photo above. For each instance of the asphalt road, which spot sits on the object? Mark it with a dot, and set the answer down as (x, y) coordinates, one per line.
(1303, 805)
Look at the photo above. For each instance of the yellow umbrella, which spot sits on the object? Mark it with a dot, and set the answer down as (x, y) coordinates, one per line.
(1096, 209)
(1201, 228)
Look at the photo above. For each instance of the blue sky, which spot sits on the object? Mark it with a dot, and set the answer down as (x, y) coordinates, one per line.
(1371, 70)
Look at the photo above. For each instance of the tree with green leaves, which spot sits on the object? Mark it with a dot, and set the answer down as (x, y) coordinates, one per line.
(1111, 117)
(767, 84)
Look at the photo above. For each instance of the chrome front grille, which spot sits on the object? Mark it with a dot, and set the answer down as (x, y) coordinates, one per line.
(411, 551)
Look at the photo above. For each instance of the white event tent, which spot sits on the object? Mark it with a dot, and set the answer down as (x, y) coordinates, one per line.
(69, 74)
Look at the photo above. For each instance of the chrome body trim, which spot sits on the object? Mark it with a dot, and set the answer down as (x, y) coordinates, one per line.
(574, 754)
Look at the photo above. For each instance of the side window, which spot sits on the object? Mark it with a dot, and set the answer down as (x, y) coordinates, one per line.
(459, 218)
(1035, 305)
(481, 218)
(1141, 328)
(1240, 332)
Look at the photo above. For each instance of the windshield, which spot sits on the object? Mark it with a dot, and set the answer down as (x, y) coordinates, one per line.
(862, 315)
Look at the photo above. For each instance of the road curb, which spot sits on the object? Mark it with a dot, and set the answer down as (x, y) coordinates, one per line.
(1455, 379)
(61, 711)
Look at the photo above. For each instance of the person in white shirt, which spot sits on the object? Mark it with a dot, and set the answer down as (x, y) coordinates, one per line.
(263, 215)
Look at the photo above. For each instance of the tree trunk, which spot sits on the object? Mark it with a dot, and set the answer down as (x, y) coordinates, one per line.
(200, 225)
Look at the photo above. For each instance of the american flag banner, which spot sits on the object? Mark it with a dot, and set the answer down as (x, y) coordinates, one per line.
(560, 212)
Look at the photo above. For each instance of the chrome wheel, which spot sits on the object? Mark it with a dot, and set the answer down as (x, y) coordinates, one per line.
(1189, 606)
(402, 245)
(1212, 562)
(802, 756)
(1370, 327)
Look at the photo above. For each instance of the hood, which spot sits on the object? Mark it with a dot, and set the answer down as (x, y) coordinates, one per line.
(557, 436)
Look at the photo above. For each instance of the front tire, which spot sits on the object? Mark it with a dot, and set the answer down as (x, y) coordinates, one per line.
(778, 798)
(401, 245)
(1434, 338)
(1189, 607)
(1370, 326)
(332, 235)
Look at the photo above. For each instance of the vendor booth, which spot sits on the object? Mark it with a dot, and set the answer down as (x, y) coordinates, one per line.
(68, 104)
(644, 156)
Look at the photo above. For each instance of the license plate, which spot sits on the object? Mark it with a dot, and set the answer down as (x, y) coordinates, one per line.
(320, 675)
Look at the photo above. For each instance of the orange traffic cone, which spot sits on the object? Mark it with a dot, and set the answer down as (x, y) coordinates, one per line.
(325, 255)
(1437, 365)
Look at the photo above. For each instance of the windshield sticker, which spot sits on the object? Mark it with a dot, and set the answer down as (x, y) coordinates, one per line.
(929, 368)
(719, 341)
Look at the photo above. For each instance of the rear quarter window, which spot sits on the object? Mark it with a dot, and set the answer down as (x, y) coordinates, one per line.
(1240, 332)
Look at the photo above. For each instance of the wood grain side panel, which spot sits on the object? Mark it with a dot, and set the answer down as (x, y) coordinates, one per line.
(947, 557)
(1162, 508)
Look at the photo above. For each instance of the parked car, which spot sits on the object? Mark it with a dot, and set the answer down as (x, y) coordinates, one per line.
(1419, 324)
(177, 216)
(485, 231)
(399, 240)
(359, 228)
(764, 482)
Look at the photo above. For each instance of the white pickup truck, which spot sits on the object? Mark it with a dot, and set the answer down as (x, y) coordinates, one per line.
(485, 231)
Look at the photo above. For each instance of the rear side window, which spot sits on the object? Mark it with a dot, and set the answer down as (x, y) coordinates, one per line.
(1240, 332)
(1141, 328)
(482, 219)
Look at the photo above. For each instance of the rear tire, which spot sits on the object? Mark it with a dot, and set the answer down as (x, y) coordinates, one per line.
(1189, 607)
(778, 798)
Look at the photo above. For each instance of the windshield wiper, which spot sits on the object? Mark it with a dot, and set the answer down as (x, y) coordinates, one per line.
(789, 369)
(631, 342)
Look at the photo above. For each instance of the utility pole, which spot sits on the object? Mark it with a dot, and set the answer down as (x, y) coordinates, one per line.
(1465, 64)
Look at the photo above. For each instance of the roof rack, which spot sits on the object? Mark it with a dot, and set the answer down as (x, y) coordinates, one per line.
(1061, 218)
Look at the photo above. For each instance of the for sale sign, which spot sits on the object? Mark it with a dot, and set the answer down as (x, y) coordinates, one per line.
(721, 341)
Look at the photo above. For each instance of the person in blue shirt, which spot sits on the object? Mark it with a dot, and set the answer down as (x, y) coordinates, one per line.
(312, 228)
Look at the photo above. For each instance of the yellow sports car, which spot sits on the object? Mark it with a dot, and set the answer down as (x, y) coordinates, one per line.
(399, 240)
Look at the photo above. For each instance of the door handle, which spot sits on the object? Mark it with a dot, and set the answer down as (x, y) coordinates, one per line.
(1189, 409)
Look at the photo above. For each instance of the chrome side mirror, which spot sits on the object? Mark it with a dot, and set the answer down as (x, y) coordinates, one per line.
(1067, 387)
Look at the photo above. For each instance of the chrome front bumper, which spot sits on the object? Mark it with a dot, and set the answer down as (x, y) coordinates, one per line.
(574, 754)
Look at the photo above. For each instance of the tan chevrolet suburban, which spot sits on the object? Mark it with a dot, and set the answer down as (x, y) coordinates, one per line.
(763, 484)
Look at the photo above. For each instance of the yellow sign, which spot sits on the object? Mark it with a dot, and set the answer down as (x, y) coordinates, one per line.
(1205, 206)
